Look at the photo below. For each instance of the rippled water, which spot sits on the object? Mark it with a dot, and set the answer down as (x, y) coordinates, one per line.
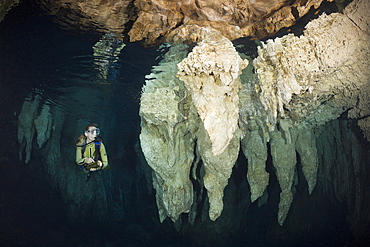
(41, 61)
(40, 58)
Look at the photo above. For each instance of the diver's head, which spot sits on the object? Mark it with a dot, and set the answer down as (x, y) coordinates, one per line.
(91, 132)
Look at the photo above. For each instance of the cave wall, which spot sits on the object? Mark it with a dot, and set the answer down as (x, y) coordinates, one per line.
(5, 6)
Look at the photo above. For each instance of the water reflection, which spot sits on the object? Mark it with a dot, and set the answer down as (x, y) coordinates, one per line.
(106, 52)
(73, 15)
(53, 83)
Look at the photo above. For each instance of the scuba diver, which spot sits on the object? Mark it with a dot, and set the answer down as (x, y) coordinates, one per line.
(90, 152)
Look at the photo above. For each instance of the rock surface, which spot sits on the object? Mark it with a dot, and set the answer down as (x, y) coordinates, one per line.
(5, 6)
(173, 20)
(103, 16)
(303, 82)
(167, 138)
(211, 75)
(158, 21)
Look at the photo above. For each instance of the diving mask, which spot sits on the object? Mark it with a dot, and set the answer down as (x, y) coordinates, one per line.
(93, 131)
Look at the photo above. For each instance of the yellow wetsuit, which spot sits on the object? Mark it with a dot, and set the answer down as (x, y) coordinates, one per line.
(89, 152)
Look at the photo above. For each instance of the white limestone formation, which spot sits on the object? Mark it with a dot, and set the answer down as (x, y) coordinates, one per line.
(171, 126)
(309, 80)
(211, 75)
(298, 74)
(301, 83)
(167, 138)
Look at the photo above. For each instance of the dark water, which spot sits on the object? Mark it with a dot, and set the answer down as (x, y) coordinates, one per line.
(39, 59)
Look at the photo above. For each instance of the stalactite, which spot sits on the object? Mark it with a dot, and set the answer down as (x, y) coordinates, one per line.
(343, 173)
(43, 125)
(307, 150)
(167, 137)
(33, 122)
(284, 160)
(211, 75)
(169, 129)
(300, 84)
(26, 126)
(218, 170)
(254, 148)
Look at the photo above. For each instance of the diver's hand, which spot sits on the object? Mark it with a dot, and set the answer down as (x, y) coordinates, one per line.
(89, 160)
(100, 166)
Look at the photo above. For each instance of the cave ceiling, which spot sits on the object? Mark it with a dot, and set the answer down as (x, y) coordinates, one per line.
(154, 21)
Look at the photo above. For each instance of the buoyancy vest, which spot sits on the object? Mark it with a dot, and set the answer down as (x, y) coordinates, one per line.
(97, 154)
